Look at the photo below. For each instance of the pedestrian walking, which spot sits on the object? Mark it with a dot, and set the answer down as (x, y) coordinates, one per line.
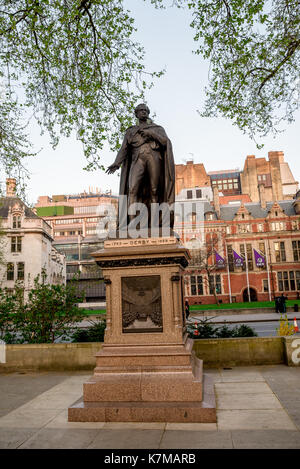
(187, 309)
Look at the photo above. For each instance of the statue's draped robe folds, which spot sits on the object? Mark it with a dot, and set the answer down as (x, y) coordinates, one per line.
(134, 144)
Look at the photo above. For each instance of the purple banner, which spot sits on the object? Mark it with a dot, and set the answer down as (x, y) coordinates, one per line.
(238, 260)
(260, 260)
(219, 260)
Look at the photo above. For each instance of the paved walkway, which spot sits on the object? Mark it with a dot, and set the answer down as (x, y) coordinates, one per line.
(257, 407)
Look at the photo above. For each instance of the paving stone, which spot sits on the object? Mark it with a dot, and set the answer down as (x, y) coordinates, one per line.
(195, 440)
(248, 401)
(134, 425)
(61, 421)
(194, 427)
(241, 376)
(121, 439)
(20, 418)
(16, 390)
(13, 438)
(241, 388)
(52, 402)
(270, 439)
(50, 438)
(254, 420)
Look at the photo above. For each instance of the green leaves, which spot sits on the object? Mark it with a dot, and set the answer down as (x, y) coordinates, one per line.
(254, 50)
(74, 66)
(79, 69)
(49, 313)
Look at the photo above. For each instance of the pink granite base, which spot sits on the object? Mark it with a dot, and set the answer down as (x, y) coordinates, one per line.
(144, 411)
(161, 383)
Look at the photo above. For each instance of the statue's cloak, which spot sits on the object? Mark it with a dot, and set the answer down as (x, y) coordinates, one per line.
(166, 189)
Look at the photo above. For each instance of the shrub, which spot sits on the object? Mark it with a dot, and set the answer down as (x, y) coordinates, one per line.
(7, 307)
(203, 329)
(94, 333)
(284, 327)
(244, 331)
(224, 332)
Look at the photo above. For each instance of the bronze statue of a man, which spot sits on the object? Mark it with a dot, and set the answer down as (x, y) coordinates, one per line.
(148, 170)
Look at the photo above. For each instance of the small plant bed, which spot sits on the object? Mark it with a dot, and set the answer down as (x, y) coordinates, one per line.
(203, 329)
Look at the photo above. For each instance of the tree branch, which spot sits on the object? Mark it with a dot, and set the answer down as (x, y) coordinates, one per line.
(292, 49)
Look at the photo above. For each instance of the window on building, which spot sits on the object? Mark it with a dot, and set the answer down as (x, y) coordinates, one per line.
(196, 285)
(215, 286)
(21, 268)
(262, 248)
(260, 227)
(249, 256)
(218, 284)
(16, 221)
(279, 249)
(298, 279)
(292, 281)
(278, 226)
(296, 250)
(288, 280)
(198, 193)
(86, 209)
(265, 286)
(189, 194)
(10, 272)
(16, 244)
(91, 230)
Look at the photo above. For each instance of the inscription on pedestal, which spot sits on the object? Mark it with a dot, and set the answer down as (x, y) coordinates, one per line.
(141, 304)
(123, 243)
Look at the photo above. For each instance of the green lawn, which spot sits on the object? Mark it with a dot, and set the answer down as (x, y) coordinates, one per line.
(254, 304)
(93, 312)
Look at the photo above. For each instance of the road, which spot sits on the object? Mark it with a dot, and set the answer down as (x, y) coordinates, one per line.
(264, 325)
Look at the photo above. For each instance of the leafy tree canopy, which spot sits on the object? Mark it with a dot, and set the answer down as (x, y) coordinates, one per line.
(254, 52)
(74, 65)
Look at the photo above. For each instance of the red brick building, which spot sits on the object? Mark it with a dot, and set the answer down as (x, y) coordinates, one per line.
(269, 228)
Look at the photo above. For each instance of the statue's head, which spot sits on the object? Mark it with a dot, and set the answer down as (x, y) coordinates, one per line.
(141, 107)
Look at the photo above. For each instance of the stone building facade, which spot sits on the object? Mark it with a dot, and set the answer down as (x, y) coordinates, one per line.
(26, 245)
(74, 221)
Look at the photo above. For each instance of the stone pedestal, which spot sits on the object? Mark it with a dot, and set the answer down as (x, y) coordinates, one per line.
(146, 370)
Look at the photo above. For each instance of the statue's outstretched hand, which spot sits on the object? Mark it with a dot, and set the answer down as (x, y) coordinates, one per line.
(112, 168)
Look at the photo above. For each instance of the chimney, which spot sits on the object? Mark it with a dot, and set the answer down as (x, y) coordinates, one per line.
(216, 200)
(262, 196)
(10, 187)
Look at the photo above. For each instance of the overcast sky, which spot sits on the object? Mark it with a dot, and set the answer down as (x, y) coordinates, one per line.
(175, 98)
